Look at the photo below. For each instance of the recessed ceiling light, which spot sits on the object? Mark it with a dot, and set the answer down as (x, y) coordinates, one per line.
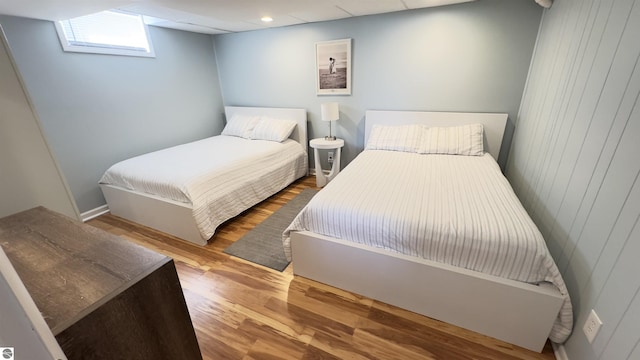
(267, 19)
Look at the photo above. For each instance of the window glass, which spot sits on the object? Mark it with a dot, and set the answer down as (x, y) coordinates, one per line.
(107, 32)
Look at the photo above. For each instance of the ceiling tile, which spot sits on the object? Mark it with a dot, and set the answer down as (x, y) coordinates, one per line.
(324, 12)
(368, 7)
(216, 16)
(56, 9)
(181, 17)
(188, 27)
(278, 20)
(416, 4)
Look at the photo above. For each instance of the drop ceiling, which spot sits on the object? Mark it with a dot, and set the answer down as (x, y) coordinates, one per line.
(217, 16)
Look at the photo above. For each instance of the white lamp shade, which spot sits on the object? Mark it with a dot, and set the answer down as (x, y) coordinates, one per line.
(329, 111)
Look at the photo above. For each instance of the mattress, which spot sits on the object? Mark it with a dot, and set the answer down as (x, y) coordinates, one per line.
(458, 210)
(219, 177)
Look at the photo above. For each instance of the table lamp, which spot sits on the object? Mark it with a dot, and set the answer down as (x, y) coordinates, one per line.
(330, 112)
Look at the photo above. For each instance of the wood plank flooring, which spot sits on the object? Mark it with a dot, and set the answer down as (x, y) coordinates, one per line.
(241, 310)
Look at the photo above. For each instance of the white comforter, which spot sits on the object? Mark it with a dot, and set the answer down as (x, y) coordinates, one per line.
(453, 209)
(220, 176)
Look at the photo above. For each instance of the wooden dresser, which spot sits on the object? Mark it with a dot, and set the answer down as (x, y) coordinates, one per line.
(102, 296)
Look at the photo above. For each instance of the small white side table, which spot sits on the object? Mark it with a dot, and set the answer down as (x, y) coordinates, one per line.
(322, 144)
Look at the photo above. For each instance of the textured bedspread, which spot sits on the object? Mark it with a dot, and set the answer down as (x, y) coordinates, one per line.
(219, 176)
(458, 210)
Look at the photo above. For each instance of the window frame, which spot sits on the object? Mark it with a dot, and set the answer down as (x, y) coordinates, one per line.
(105, 50)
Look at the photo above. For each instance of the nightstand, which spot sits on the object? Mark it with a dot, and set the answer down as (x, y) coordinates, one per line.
(323, 144)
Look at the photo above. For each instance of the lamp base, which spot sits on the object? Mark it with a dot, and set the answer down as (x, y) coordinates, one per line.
(330, 138)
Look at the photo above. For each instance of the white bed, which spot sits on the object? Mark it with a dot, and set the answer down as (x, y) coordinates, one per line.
(189, 190)
(424, 276)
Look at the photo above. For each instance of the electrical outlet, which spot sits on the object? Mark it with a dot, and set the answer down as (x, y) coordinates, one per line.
(330, 157)
(592, 326)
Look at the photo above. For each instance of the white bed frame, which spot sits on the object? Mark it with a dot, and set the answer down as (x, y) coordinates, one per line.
(174, 217)
(512, 311)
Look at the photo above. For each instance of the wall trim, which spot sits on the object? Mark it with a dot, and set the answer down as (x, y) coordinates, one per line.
(94, 213)
(559, 351)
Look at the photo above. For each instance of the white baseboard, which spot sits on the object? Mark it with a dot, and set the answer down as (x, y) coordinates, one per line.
(559, 351)
(94, 213)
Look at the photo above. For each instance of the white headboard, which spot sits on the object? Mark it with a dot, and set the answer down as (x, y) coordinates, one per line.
(298, 115)
(494, 124)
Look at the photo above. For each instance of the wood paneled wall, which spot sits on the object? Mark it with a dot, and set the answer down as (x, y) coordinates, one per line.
(575, 162)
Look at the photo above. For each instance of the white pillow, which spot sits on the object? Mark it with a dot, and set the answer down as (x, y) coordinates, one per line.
(396, 138)
(273, 129)
(455, 140)
(241, 126)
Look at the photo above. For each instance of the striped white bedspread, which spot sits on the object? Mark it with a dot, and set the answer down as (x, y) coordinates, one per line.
(458, 210)
(220, 176)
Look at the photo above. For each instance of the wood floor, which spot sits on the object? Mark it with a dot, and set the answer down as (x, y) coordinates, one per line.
(245, 311)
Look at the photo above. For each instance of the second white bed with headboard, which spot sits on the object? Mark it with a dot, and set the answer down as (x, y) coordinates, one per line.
(411, 224)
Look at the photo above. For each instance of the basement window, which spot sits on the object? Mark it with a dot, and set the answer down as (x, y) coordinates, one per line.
(108, 32)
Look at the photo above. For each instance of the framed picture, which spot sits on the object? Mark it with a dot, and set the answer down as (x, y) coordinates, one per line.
(333, 67)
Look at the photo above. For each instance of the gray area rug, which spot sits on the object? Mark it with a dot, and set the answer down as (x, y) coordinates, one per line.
(263, 244)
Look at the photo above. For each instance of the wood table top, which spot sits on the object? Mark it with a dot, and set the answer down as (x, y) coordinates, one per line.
(70, 268)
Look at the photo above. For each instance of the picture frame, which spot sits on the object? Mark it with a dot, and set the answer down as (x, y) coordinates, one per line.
(333, 67)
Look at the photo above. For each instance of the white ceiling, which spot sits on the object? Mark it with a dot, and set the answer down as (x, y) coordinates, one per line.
(216, 16)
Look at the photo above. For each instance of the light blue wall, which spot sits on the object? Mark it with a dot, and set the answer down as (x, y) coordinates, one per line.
(99, 109)
(468, 57)
(575, 164)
